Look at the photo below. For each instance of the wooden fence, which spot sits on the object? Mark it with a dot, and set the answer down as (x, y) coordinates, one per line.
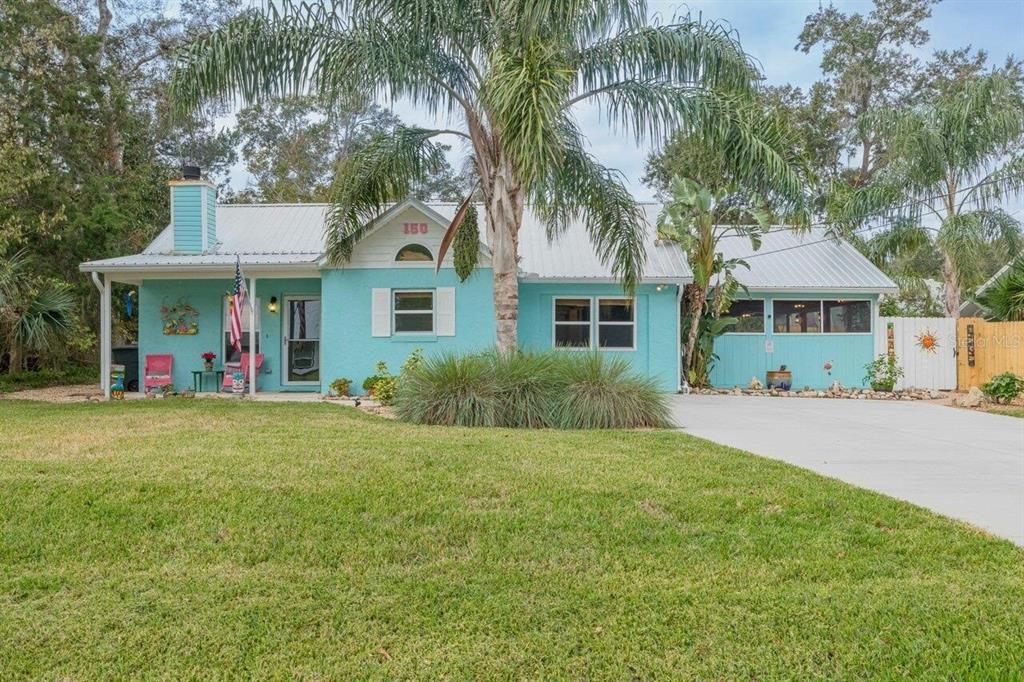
(985, 349)
(925, 346)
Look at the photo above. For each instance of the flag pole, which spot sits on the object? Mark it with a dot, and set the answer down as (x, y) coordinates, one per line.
(252, 337)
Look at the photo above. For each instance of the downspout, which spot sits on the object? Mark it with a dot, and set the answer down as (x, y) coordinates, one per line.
(679, 338)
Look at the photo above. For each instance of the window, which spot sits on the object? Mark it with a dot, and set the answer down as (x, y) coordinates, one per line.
(575, 323)
(796, 317)
(828, 317)
(749, 315)
(616, 323)
(414, 253)
(413, 312)
(572, 322)
(847, 317)
(230, 354)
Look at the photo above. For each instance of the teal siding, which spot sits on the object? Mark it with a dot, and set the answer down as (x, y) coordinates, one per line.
(207, 296)
(211, 218)
(657, 329)
(349, 349)
(743, 356)
(186, 215)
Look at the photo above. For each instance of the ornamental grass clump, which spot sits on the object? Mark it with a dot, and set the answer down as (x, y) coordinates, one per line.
(597, 392)
(450, 390)
(530, 390)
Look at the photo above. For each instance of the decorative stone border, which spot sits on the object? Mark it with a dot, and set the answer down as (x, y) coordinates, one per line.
(840, 394)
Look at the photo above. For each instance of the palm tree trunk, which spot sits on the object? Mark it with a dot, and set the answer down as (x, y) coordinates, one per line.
(950, 287)
(695, 296)
(504, 216)
(14, 360)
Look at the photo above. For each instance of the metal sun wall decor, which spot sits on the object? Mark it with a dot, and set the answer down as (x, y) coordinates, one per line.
(927, 340)
(179, 318)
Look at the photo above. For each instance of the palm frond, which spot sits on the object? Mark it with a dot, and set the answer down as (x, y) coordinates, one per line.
(581, 188)
(901, 238)
(46, 318)
(1003, 298)
(685, 52)
(382, 172)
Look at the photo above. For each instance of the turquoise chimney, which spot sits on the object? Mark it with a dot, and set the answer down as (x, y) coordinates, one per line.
(194, 215)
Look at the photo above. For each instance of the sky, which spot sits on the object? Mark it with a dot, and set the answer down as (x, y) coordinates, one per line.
(768, 31)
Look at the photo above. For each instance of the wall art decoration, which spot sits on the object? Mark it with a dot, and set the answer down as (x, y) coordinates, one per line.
(179, 318)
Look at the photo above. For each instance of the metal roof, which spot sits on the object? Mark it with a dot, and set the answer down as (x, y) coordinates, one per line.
(807, 260)
(292, 235)
(570, 256)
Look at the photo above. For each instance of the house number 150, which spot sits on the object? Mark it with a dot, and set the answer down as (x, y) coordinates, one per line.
(415, 228)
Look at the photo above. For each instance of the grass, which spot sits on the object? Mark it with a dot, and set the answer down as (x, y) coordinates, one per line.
(48, 377)
(213, 539)
(1009, 411)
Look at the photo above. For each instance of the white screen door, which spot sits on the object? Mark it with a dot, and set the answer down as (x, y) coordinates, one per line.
(301, 340)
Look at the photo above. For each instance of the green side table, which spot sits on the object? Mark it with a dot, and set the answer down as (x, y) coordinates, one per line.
(199, 375)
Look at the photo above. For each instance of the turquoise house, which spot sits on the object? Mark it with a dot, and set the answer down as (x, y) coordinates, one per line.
(809, 301)
(313, 322)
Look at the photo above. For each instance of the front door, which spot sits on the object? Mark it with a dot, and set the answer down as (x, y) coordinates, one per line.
(301, 340)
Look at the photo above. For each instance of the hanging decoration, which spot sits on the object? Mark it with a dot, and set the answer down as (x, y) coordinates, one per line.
(179, 318)
(129, 304)
(927, 340)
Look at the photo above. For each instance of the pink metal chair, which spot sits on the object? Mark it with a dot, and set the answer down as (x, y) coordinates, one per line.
(157, 371)
(241, 366)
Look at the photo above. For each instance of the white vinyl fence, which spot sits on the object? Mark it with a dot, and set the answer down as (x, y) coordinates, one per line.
(925, 347)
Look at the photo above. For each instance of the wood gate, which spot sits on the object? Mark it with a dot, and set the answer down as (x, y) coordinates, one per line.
(925, 346)
(987, 349)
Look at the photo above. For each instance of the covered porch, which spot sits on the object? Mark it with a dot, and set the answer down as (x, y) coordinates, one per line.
(183, 315)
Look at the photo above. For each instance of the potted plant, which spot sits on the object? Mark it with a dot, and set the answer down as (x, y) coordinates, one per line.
(340, 387)
(780, 379)
(883, 372)
(208, 357)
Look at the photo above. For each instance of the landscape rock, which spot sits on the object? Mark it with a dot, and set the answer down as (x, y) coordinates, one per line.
(974, 398)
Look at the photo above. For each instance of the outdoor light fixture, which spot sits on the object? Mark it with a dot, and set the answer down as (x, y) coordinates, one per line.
(272, 306)
(660, 287)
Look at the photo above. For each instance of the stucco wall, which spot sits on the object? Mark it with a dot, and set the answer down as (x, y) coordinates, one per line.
(657, 327)
(349, 349)
(742, 356)
(207, 296)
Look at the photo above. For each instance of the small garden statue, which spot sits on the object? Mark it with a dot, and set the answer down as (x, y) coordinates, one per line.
(117, 390)
(238, 382)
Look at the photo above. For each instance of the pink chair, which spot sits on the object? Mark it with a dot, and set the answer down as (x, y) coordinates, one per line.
(241, 366)
(156, 371)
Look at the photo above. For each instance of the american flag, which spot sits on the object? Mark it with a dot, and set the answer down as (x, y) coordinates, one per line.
(238, 299)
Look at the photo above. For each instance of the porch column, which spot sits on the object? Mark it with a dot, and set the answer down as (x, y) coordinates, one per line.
(252, 336)
(103, 284)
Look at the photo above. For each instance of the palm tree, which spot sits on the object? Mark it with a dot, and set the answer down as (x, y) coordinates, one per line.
(951, 159)
(509, 76)
(698, 219)
(34, 315)
(1003, 298)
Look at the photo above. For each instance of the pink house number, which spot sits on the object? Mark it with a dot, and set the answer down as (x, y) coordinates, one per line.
(414, 228)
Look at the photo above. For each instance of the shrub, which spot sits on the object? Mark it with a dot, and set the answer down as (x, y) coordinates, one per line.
(530, 390)
(341, 386)
(371, 381)
(883, 372)
(1004, 388)
(525, 388)
(597, 392)
(450, 390)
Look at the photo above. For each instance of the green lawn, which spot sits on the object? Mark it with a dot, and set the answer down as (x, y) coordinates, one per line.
(219, 539)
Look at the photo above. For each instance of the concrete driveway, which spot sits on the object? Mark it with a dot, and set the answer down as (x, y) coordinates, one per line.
(967, 465)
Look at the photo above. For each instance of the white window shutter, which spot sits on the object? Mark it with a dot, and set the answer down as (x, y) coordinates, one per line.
(381, 313)
(446, 311)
